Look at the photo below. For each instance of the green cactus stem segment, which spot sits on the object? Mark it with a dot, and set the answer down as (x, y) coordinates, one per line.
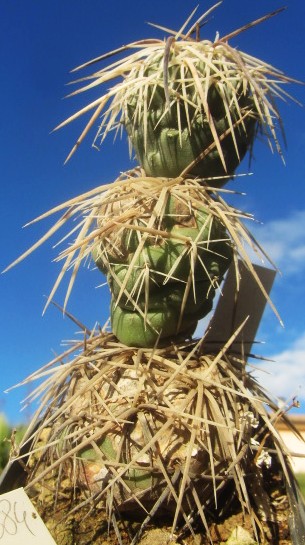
(171, 139)
(160, 217)
(164, 289)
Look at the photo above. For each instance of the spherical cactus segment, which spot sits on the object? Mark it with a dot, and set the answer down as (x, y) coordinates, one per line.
(162, 285)
(146, 233)
(173, 137)
(143, 432)
(189, 106)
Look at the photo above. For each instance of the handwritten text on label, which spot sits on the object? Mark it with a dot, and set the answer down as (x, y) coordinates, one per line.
(11, 516)
(19, 521)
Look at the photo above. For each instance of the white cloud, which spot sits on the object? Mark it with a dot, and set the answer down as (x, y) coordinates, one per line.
(284, 242)
(284, 377)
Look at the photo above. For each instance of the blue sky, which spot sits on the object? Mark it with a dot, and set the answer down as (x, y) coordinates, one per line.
(40, 42)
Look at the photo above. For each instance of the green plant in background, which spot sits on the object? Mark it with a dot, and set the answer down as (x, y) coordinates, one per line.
(10, 438)
(142, 419)
(4, 441)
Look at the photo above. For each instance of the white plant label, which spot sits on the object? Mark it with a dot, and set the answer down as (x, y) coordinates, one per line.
(20, 522)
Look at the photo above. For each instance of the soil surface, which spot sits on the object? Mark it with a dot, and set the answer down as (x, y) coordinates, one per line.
(85, 526)
(84, 529)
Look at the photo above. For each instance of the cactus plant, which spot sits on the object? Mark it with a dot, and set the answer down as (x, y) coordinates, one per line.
(142, 421)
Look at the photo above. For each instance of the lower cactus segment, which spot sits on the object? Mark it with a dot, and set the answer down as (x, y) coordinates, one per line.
(163, 273)
(168, 432)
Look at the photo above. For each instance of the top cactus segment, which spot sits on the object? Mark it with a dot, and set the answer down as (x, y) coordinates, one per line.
(216, 116)
(203, 100)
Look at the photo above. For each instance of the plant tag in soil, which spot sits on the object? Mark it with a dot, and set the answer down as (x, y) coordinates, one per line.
(20, 522)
